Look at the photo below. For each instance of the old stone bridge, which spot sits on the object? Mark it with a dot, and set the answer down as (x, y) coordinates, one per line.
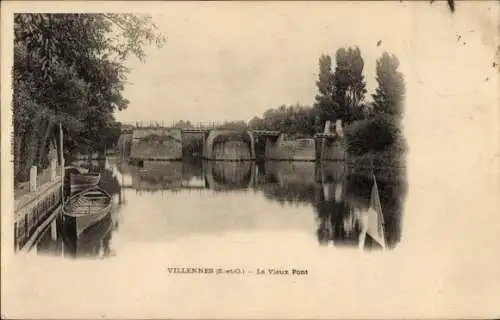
(168, 143)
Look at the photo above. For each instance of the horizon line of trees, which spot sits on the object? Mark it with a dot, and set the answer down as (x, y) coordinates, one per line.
(370, 126)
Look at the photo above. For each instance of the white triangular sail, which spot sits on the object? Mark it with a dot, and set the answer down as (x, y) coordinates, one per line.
(376, 217)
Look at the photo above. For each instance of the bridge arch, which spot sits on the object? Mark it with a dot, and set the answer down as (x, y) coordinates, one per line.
(229, 145)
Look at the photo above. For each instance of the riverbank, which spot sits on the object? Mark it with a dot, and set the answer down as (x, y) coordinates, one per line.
(21, 189)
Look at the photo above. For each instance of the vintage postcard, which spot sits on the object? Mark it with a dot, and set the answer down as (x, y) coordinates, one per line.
(250, 159)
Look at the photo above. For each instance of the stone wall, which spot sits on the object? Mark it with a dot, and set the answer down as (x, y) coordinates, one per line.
(220, 145)
(231, 150)
(333, 149)
(300, 149)
(331, 145)
(125, 144)
(156, 144)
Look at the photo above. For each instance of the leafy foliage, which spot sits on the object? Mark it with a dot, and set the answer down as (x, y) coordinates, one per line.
(390, 93)
(341, 92)
(238, 126)
(296, 121)
(341, 95)
(326, 106)
(349, 84)
(373, 135)
(69, 69)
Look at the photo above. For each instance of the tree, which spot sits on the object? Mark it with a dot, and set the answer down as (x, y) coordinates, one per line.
(295, 121)
(390, 93)
(349, 84)
(256, 123)
(233, 125)
(69, 68)
(325, 106)
(181, 124)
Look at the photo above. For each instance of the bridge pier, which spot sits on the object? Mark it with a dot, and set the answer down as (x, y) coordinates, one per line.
(331, 145)
(156, 144)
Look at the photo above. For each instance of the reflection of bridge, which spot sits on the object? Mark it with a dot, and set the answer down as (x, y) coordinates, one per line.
(331, 187)
(220, 175)
(210, 142)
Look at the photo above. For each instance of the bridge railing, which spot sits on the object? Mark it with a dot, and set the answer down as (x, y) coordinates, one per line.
(175, 124)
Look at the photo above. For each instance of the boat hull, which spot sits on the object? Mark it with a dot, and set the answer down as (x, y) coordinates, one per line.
(85, 222)
(92, 242)
(87, 208)
(83, 181)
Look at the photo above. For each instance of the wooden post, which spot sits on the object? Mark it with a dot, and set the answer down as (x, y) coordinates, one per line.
(338, 192)
(33, 178)
(338, 128)
(53, 229)
(62, 160)
(53, 168)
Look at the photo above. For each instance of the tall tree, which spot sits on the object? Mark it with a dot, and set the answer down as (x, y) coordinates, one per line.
(349, 83)
(390, 94)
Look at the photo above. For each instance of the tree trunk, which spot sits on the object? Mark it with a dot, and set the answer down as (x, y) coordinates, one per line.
(32, 146)
(42, 152)
(18, 140)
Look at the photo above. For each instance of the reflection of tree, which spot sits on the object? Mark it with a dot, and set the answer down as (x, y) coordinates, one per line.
(289, 193)
(392, 193)
(330, 216)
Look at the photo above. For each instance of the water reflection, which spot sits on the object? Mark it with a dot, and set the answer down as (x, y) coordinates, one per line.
(220, 175)
(162, 201)
(61, 239)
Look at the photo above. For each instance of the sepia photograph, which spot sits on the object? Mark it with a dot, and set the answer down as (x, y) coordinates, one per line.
(250, 159)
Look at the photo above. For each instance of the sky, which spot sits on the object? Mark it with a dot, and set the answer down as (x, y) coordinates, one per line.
(232, 61)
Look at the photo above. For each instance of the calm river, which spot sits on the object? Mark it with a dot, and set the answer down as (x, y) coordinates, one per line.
(161, 202)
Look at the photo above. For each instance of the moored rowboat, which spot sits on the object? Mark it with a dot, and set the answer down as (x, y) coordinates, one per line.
(83, 181)
(86, 208)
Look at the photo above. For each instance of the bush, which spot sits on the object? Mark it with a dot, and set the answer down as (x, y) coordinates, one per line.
(233, 136)
(372, 135)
